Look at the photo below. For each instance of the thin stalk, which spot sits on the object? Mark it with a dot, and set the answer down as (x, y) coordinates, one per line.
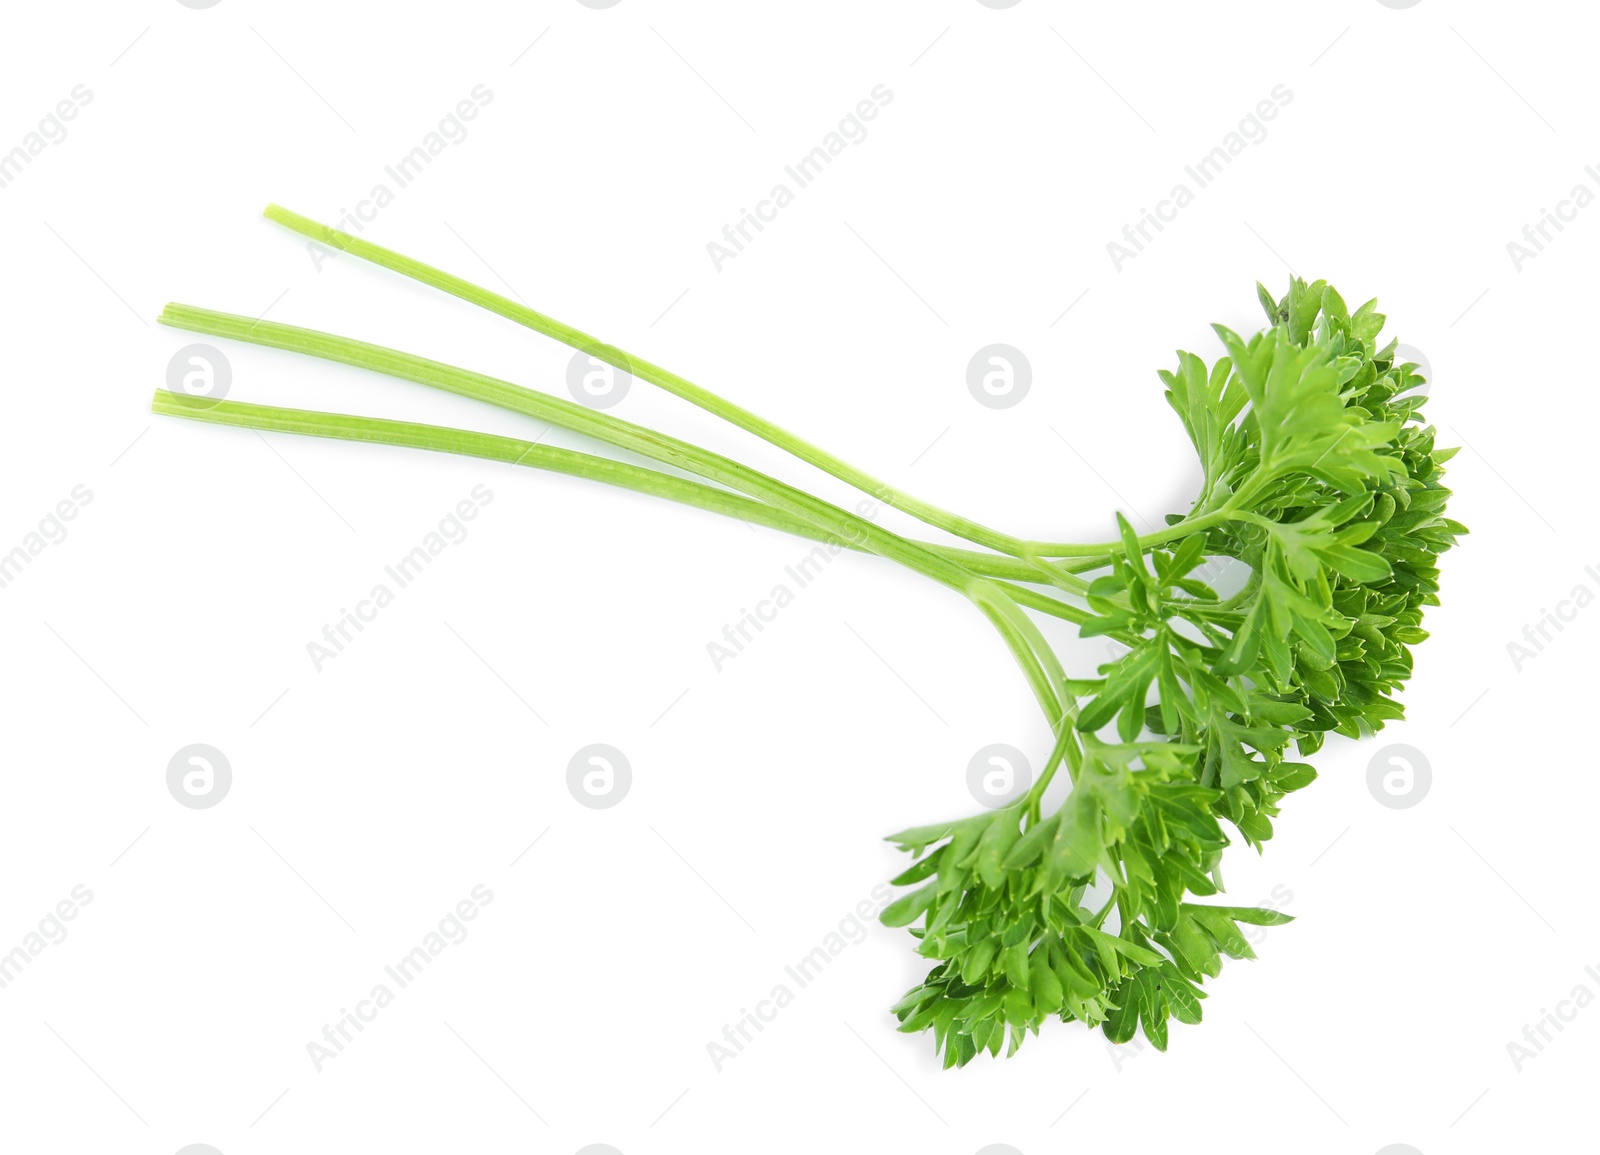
(654, 374)
(1000, 565)
(1066, 747)
(1024, 640)
(492, 447)
(1035, 553)
(572, 416)
(1099, 919)
(1105, 550)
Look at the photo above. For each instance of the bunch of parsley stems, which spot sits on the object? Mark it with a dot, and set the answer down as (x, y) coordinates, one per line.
(988, 577)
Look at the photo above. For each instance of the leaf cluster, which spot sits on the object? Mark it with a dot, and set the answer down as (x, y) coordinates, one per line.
(1321, 478)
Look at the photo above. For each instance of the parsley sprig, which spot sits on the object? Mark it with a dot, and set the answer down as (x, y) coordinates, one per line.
(1319, 477)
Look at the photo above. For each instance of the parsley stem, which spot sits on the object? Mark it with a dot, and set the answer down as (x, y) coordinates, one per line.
(512, 451)
(1035, 553)
(1104, 550)
(572, 416)
(1067, 747)
(1100, 918)
(1020, 634)
(654, 374)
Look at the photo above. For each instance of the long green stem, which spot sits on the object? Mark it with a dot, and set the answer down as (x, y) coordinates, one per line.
(1035, 552)
(1105, 550)
(1025, 641)
(654, 374)
(492, 447)
(577, 418)
(1067, 747)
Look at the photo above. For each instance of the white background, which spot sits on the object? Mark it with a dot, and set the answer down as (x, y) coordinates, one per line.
(369, 798)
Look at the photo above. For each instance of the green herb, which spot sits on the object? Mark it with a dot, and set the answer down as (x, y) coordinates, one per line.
(1319, 476)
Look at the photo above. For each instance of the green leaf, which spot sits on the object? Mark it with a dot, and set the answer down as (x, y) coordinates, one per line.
(1026, 850)
(976, 965)
(1356, 564)
(1153, 1008)
(1044, 985)
(1132, 551)
(1123, 1022)
(1098, 713)
(908, 908)
(1107, 585)
(998, 838)
(1334, 308)
(1222, 930)
(1290, 776)
(1196, 946)
(1078, 844)
(1190, 553)
(1122, 946)
(919, 837)
(925, 867)
(1268, 305)
(1255, 915)
(1019, 1012)
(1014, 962)
(1182, 998)
(1241, 651)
